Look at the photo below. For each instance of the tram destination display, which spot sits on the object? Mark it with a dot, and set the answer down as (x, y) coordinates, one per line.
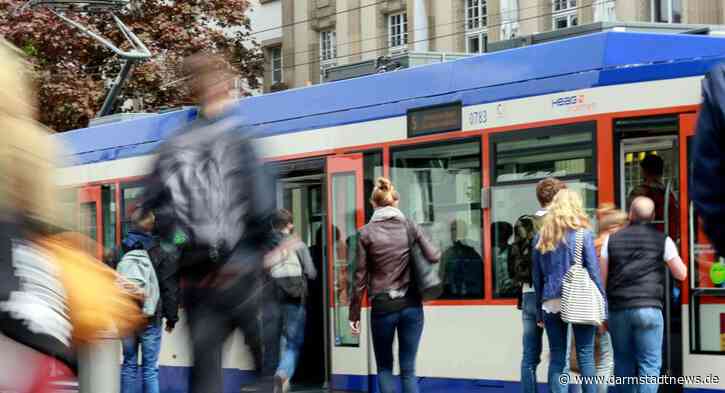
(434, 119)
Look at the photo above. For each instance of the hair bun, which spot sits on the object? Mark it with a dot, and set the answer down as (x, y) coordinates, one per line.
(384, 184)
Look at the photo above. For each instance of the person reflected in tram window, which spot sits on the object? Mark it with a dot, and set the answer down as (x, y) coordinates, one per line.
(462, 265)
(654, 188)
(552, 257)
(501, 232)
(384, 270)
(633, 260)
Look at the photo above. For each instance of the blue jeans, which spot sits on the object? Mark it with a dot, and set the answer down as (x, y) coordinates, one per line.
(637, 341)
(292, 338)
(150, 340)
(557, 332)
(531, 343)
(409, 324)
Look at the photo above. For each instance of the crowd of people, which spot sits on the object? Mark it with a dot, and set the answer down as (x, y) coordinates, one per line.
(625, 260)
(213, 226)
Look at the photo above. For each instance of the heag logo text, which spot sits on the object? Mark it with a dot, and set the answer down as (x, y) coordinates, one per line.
(573, 104)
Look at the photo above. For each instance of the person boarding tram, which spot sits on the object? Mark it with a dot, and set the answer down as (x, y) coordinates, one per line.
(633, 261)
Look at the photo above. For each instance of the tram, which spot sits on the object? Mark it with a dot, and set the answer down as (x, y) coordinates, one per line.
(465, 142)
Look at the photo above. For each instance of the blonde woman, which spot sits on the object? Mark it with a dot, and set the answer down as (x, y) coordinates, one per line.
(33, 321)
(552, 257)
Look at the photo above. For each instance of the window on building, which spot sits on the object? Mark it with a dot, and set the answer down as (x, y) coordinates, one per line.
(328, 47)
(440, 190)
(520, 160)
(476, 42)
(605, 11)
(476, 22)
(666, 11)
(275, 64)
(397, 31)
(476, 14)
(564, 14)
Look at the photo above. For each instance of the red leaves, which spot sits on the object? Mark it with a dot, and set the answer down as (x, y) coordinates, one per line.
(72, 69)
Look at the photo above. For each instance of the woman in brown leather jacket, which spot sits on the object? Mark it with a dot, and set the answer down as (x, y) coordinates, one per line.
(383, 269)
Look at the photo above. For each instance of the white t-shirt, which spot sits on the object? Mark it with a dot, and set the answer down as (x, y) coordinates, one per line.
(670, 249)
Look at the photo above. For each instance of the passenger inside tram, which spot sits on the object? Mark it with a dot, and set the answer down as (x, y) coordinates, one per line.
(462, 266)
(501, 232)
(654, 188)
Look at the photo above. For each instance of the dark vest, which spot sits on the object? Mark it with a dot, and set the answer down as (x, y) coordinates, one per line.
(636, 275)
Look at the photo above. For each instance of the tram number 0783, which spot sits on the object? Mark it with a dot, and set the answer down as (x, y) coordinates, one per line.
(477, 118)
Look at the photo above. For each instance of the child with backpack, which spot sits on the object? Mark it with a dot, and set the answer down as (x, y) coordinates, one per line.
(148, 272)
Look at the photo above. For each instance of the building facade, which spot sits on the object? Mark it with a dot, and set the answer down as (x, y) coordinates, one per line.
(318, 34)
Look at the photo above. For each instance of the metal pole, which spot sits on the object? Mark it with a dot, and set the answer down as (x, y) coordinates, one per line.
(116, 87)
(100, 367)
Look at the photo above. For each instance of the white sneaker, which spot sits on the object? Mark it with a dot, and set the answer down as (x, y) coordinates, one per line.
(281, 384)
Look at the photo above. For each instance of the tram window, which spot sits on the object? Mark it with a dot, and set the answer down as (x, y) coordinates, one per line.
(520, 160)
(440, 188)
(343, 254)
(69, 208)
(130, 197)
(372, 169)
(534, 158)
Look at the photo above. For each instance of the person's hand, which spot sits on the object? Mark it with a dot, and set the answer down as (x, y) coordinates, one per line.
(355, 327)
(540, 324)
(603, 328)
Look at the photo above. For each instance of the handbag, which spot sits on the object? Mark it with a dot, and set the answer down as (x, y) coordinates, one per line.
(425, 274)
(581, 301)
(98, 306)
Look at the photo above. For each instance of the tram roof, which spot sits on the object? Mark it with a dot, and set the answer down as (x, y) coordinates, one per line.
(600, 59)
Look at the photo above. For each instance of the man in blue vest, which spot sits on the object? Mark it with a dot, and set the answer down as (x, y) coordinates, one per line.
(633, 266)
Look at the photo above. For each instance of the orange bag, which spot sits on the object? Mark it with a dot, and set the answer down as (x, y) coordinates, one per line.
(98, 306)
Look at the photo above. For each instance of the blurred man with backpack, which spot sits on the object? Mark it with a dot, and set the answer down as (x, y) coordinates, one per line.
(149, 272)
(214, 203)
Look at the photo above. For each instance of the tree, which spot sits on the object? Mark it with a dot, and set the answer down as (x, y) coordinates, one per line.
(71, 70)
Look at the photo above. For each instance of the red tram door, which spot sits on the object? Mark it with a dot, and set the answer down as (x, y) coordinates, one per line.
(346, 215)
(91, 218)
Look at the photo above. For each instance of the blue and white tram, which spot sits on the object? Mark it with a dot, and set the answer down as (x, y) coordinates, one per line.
(465, 142)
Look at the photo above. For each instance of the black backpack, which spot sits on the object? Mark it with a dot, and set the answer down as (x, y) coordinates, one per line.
(206, 172)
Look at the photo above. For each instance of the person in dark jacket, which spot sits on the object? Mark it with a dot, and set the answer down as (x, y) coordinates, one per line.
(141, 238)
(384, 270)
(552, 257)
(633, 262)
(462, 266)
(707, 186)
(219, 226)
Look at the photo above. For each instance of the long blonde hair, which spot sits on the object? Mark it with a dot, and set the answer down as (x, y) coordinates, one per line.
(565, 212)
(27, 151)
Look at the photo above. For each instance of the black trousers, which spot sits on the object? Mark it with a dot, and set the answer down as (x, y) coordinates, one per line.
(248, 304)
